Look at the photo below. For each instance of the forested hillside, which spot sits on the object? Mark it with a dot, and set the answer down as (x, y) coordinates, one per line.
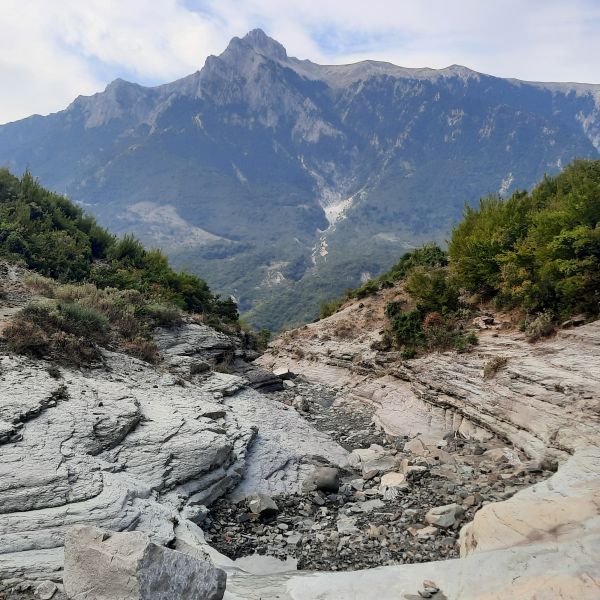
(537, 253)
(98, 290)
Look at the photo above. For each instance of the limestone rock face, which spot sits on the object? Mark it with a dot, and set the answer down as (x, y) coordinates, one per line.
(131, 447)
(544, 401)
(101, 565)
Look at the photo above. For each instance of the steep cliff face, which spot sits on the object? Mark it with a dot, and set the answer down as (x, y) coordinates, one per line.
(263, 172)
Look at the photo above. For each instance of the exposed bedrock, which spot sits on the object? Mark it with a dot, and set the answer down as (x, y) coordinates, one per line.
(543, 397)
(128, 447)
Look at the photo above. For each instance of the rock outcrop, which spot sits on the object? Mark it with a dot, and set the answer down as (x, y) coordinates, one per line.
(544, 542)
(544, 400)
(102, 565)
(129, 447)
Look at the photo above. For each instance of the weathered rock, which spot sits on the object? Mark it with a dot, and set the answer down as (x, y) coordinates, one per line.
(101, 565)
(359, 456)
(262, 504)
(283, 373)
(325, 479)
(346, 525)
(378, 466)
(391, 485)
(443, 516)
(46, 590)
(301, 404)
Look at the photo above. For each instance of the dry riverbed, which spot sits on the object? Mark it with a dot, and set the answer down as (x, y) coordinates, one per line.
(386, 509)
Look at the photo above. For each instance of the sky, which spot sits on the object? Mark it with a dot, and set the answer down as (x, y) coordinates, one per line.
(51, 51)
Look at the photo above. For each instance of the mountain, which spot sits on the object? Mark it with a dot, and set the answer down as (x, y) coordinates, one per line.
(282, 181)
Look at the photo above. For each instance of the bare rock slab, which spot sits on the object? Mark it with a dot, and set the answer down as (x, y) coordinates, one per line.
(103, 565)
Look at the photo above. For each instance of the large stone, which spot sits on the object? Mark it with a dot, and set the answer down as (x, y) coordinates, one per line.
(262, 504)
(46, 590)
(324, 479)
(101, 565)
(378, 466)
(359, 456)
(443, 516)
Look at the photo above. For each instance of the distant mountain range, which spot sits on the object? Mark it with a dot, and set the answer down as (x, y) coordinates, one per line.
(283, 182)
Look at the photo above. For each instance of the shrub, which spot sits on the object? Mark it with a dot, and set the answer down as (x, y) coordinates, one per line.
(329, 307)
(493, 366)
(263, 337)
(537, 251)
(407, 328)
(38, 284)
(393, 308)
(461, 344)
(368, 288)
(25, 337)
(541, 326)
(83, 321)
(407, 353)
(142, 348)
(63, 332)
(54, 237)
(162, 315)
(432, 289)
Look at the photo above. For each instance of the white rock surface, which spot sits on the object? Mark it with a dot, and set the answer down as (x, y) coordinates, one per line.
(127, 447)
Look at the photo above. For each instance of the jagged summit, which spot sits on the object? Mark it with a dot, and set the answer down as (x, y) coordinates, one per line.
(264, 44)
(255, 41)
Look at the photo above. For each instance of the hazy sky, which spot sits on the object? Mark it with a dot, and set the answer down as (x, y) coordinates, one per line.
(53, 50)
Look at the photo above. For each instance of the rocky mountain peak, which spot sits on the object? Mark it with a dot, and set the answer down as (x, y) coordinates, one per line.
(265, 45)
(256, 41)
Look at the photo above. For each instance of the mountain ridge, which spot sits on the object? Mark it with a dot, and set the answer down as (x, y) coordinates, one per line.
(306, 178)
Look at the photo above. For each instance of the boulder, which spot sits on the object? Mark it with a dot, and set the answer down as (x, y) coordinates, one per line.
(392, 484)
(377, 466)
(46, 590)
(443, 516)
(103, 565)
(262, 504)
(360, 456)
(324, 479)
(301, 404)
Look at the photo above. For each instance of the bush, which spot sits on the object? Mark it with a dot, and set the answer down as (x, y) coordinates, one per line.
(330, 307)
(537, 251)
(263, 337)
(38, 284)
(142, 348)
(368, 288)
(493, 366)
(432, 290)
(407, 353)
(55, 238)
(162, 315)
(83, 321)
(393, 308)
(541, 326)
(25, 337)
(407, 328)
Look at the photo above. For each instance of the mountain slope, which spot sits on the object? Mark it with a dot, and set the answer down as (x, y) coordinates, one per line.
(282, 181)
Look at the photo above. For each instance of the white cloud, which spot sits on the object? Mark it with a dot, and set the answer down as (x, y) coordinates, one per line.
(51, 51)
